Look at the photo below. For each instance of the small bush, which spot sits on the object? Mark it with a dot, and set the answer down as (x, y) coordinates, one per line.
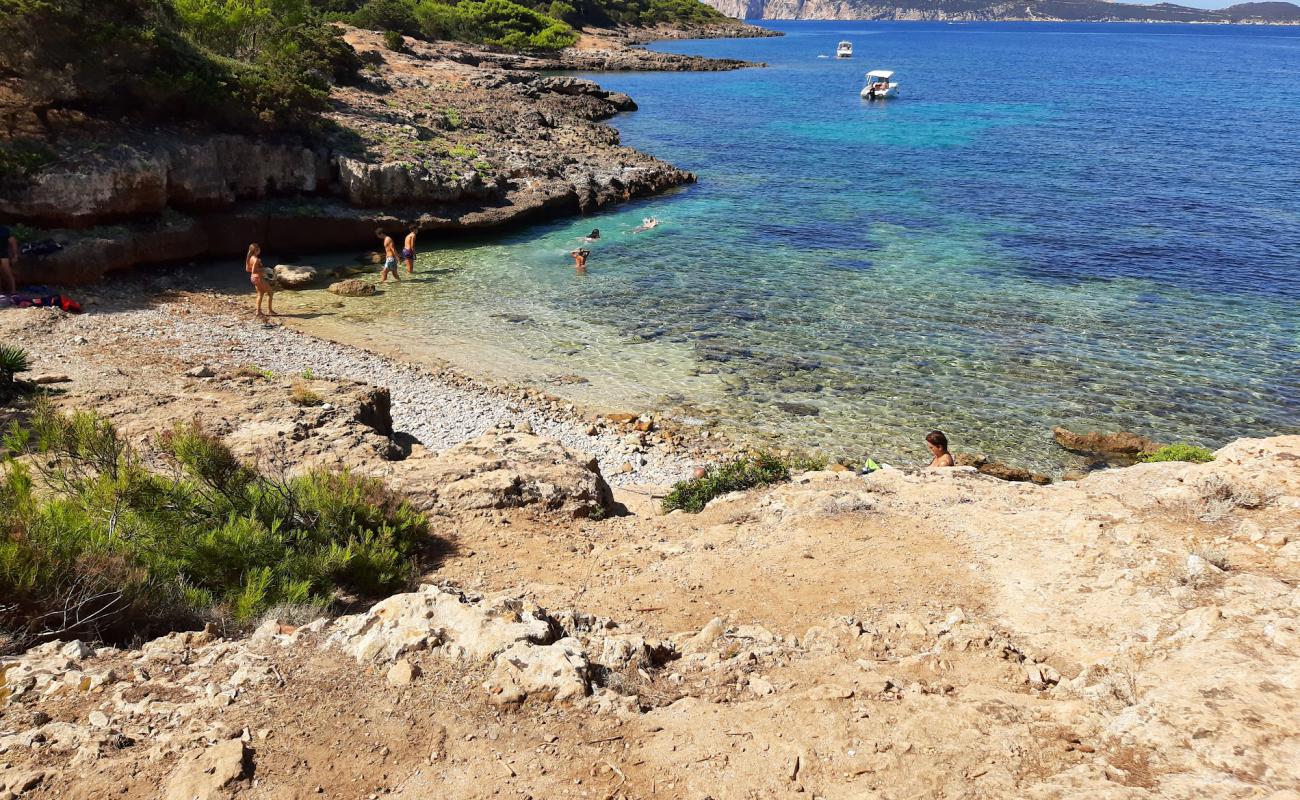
(97, 544)
(302, 395)
(394, 41)
(759, 469)
(394, 16)
(13, 360)
(250, 371)
(1180, 452)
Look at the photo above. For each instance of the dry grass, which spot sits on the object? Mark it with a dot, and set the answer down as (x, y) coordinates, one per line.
(301, 394)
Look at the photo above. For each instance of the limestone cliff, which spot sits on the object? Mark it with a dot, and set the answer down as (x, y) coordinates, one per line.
(975, 10)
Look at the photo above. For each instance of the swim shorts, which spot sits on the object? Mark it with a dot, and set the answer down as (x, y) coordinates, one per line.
(408, 252)
(390, 263)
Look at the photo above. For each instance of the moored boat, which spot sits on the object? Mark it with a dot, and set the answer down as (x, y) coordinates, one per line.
(880, 85)
(844, 50)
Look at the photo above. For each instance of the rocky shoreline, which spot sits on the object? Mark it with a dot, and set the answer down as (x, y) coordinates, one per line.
(448, 137)
(1129, 636)
(149, 324)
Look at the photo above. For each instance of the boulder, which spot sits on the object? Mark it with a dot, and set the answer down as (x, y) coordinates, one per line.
(506, 469)
(205, 776)
(289, 276)
(1123, 445)
(353, 287)
(558, 671)
(464, 625)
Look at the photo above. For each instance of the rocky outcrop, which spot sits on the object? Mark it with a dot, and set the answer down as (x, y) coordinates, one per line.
(1123, 446)
(999, 470)
(507, 469)
(443, 136)
(147, 177)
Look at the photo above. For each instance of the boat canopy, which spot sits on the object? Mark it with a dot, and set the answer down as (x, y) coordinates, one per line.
(883, 74)
(845, 44)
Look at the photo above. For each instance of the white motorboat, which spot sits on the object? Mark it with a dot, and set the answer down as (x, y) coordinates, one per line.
(844, 50)
(880, 85)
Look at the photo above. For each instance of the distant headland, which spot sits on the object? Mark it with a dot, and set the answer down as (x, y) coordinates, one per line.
(1274, 13)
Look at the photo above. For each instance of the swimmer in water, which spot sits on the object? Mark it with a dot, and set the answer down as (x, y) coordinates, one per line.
(580, 261)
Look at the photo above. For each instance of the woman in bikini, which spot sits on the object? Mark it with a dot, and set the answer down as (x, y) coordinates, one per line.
(257, 277)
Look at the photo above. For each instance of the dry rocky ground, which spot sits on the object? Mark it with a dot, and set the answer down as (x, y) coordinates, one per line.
(1134, 634)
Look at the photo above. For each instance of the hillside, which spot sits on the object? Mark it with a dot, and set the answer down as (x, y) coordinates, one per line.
(977, 10)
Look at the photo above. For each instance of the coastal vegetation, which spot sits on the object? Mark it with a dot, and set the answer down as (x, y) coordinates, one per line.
(13, 360)
(252, 65)
(97, 540)
(747, 472)
(1180, 452)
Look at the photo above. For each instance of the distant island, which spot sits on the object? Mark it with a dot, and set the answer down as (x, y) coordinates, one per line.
(1026, 10)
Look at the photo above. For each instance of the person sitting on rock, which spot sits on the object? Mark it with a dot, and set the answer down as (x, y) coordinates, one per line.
(938, 444)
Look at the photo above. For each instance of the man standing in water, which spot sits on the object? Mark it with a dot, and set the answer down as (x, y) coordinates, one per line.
(408, 250)
(390, 257)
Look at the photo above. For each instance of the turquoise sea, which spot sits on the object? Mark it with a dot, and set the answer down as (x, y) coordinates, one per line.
(1095, 225)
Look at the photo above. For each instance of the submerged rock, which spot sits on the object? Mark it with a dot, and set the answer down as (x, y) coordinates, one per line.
(353, 287)
(999, 470)
(1123, 445)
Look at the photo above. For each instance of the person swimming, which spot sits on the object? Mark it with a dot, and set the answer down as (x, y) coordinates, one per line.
(646, 224)
(593, 236)
(580, 260)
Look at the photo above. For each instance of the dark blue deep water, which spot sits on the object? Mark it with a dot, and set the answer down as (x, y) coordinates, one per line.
(1095, 225)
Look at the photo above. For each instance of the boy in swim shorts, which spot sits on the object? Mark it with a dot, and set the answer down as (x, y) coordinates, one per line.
(390, 257)
(408, 250)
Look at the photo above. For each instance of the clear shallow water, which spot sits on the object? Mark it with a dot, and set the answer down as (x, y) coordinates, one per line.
(1089, 225)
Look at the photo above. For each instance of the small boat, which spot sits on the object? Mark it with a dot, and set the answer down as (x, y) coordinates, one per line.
(844, 50)
(879, 86)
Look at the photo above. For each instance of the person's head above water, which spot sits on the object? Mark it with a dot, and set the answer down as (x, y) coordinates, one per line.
(595, 233)
(937, 441)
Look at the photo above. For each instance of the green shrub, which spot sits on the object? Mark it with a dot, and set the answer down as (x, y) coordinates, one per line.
(394, 41)
(235, 64)
(22, 158)
(387, 15)
(97, 544)
(13, 360)
(1180, 452)
(759, 469)
(496, 22)
(678, 12)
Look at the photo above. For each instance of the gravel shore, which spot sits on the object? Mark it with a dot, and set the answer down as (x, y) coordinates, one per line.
(439, 408)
